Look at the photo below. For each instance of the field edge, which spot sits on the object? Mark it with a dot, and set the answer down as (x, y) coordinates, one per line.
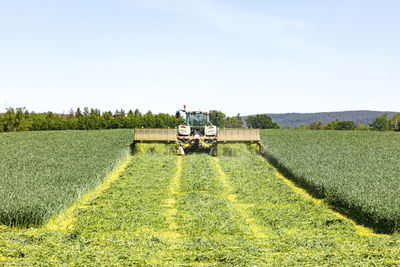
(355, 214)
(66, 218)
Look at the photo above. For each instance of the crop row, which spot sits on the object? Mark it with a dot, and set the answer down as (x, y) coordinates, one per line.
(356, 172)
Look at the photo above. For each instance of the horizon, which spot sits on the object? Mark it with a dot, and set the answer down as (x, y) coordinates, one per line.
(172, 113)
(250, 57)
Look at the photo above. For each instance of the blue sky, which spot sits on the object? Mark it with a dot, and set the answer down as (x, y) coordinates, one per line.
(242, 57)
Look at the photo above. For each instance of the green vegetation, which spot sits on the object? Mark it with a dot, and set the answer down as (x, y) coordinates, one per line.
(198, 209)
(234, 122)
(380, 123)
(154, 149)
(261, 121)
(218, 118)
(357, 172)
(41, 173)
(293, 120)
(19, 119)
(334, 125)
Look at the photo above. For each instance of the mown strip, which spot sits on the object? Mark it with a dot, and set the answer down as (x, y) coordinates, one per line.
(304, 232)
(170, 202)
(237, 206)
(130, 217)
(215, 232)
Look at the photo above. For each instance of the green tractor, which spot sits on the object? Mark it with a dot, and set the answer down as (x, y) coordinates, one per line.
(198, 134)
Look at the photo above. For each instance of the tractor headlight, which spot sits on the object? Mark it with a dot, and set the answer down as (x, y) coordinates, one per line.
(211, 130)
(184, 130)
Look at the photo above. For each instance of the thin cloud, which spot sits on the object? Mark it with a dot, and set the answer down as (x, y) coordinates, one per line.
(232, 18)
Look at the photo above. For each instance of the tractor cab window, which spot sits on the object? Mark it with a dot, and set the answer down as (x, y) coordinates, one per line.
(197, 119)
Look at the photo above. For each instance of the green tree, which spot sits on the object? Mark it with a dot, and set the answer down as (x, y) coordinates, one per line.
(394, 122)
(316, 126)
(217, 118)
(95, 112)
(363, 127)
(9, 120)
(234, 122)
(381, 123)
(137, 113)
(148, 120)
(332, 125)
(108, 118)
(345, 125)
(78, 113)
(38, 121)
(261, 121)
(303, 127)
(21, 123)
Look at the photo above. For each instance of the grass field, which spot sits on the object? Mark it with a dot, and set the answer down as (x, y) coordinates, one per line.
(357, 172)
(42, 173)
(234, 209)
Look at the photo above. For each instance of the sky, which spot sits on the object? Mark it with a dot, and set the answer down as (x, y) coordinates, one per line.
(247, 57)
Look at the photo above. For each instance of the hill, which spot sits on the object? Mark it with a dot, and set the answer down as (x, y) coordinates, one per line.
(297, 119)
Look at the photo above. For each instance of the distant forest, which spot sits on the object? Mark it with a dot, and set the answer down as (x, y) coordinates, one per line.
(20, 119)
(297, 119)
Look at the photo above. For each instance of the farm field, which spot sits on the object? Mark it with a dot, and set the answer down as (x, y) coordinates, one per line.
(234, 209)
(42, 173)
(356, 172)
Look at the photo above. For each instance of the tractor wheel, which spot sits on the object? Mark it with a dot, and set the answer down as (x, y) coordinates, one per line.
(213, 151)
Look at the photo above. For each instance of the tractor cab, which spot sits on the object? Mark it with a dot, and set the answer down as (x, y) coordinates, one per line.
(197, 118)
(197, 123)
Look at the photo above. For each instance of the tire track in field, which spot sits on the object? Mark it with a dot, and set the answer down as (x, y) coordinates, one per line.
(170, 202)
(240, 208)
(131, 216)
(211, 231)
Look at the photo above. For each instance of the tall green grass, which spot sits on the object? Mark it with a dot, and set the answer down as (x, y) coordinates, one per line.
(41, 173)
(357, 172)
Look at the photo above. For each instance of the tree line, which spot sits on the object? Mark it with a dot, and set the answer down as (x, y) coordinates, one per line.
(357, 116)
(260, 121)
(20, 119)
(381, 123)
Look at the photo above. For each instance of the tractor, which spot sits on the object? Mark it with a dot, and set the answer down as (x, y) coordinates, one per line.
(198, 134)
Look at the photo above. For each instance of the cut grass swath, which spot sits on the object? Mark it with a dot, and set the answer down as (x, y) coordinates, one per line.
(154, 149)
